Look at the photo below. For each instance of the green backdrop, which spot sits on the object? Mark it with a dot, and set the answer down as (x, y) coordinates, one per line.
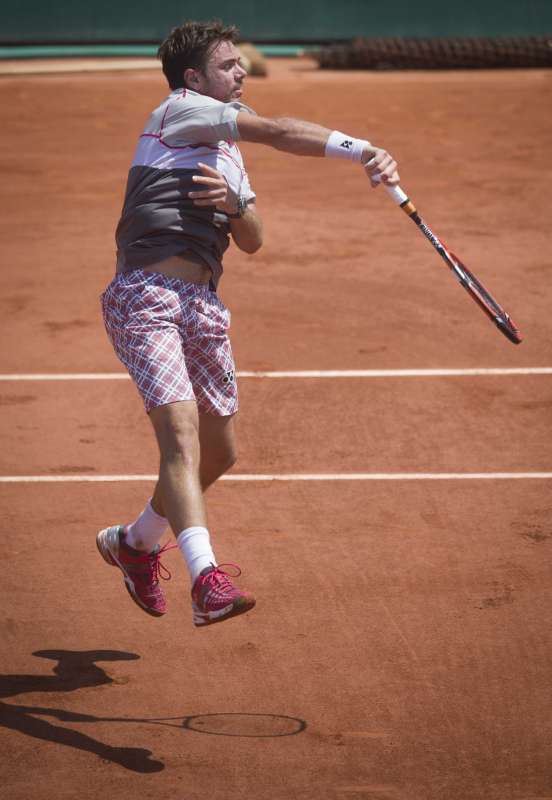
(134, 21)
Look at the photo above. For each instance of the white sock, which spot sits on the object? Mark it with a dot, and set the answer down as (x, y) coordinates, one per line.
(145, 532)
(195, 546)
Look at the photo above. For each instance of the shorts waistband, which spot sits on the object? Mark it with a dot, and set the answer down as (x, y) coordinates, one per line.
(139, 275)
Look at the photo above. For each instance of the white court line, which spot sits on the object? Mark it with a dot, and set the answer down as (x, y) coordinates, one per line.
(346, 373)
(67, 376)
(341, 476)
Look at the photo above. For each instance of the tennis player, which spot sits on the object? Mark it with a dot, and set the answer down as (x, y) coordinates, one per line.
(187, 195)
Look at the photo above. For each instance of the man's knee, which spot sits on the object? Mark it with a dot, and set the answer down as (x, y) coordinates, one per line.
(177, 434)
(224, 460)
(215, 464)
(182, 444)
(229, 460)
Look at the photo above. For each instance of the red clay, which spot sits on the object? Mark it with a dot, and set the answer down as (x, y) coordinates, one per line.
(399, 649)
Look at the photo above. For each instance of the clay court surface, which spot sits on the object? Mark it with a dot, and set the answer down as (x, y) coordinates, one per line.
(401, 645)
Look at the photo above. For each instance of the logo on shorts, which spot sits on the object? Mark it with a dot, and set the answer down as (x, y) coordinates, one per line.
(228, 376)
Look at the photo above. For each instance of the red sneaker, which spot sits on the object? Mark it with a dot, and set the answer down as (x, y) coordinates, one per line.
(142, 571)
(215, 598)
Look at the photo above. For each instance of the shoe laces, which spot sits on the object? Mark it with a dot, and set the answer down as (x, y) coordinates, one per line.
(219, 578)
(155, 570)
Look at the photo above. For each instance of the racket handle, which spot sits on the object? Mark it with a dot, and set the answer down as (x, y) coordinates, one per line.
(397, 194)
(401, 199)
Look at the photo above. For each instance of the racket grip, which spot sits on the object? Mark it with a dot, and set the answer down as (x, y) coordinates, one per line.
(397, 194)
(401, 199)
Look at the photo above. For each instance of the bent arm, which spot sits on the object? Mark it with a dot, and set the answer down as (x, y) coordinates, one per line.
(247, 231)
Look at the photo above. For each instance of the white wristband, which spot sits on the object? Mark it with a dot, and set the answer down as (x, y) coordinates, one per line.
(339, 145)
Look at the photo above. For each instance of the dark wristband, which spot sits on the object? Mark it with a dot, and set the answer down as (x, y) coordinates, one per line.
(242, 208)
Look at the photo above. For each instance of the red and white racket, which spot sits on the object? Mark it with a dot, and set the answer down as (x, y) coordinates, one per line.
(467, 279)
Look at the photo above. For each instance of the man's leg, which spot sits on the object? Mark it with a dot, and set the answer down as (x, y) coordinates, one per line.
(217, 441)
(170, 370)
(176, 427)
(178, 495)
(217, 456)
(217, 448)
(195, 450)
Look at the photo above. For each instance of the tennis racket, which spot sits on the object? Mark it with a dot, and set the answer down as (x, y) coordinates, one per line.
(467, 279)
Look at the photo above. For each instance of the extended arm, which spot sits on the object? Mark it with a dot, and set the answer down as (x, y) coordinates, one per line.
(287, 134)
(302, 138)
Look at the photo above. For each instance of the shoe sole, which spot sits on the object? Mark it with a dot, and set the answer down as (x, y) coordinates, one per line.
(102, 543)
(203, 618)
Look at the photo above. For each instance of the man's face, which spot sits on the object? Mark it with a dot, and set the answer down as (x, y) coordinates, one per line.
(223, 76)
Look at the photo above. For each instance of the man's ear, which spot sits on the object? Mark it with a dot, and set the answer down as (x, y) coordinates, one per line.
(191, 78)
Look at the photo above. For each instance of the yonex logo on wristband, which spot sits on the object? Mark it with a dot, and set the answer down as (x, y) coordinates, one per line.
(340, 145)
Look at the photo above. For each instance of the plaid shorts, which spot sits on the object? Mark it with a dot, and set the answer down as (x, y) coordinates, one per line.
(172, 338)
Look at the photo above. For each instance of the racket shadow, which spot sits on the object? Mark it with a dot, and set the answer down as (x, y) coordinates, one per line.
(236, 723)
(76, 670)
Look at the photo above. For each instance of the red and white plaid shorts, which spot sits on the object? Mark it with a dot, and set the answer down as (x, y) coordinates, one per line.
(172, 338)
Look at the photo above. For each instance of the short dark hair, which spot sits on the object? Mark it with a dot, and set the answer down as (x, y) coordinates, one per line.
(189, 47)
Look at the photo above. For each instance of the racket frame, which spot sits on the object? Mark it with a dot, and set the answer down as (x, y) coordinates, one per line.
(467, 279)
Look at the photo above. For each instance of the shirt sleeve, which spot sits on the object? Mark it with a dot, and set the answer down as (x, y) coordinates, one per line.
(194, 119)
(246, 189)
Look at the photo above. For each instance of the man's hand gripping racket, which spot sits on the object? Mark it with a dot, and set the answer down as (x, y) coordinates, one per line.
(467, 279)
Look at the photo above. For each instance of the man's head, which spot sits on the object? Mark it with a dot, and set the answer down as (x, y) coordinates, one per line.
(203, 56)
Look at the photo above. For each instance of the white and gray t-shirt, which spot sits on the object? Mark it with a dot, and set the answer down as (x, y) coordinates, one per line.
(158, 219)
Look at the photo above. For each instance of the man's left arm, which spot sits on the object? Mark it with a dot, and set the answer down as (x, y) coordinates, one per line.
(247, 230)
(245, 223)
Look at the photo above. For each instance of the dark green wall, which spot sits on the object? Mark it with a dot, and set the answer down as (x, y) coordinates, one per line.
(37, 21)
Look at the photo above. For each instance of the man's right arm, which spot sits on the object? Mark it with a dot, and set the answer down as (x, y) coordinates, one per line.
(287, 134)
(302, 138)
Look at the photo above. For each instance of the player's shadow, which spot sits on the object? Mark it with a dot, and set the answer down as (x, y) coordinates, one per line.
(74, 670)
